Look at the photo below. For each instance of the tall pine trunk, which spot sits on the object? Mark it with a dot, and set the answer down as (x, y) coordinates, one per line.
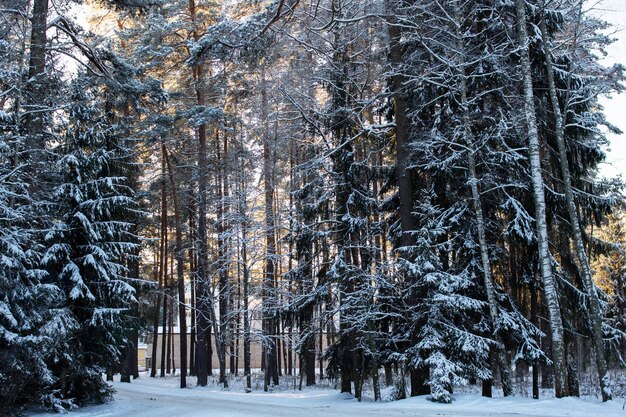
(203, 296)
(242, 208)
(164, 263)
(160, 274)
(204, 303)
(271, 371)
(192, 274)
(180, 271)
(221, 341)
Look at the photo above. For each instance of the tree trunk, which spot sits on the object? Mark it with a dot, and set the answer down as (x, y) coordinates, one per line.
(35, 88)
(221, 342)
(192, 274)
(203, 300)
(548, 280)
(403, 174)
(246, 310)
(374, 364)
(164, 263)
(180, 271)
(243, 215)
(533, 320)
(127, 365)
(271, 372)
(594, 308)
(170, 330)
(160, 273)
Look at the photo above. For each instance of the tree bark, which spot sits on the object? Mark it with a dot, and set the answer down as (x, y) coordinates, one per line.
(594, 309)
(164, 263)
(160, 273)
(35, 94)
(203, 300)
(221, 341)
(271, 372)
(192, 273)
(548, 280)
(180, 272)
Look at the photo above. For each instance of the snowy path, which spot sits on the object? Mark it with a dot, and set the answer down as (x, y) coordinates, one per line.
(147, 397)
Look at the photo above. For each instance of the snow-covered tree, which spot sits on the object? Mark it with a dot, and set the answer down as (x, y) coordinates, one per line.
(87, 245)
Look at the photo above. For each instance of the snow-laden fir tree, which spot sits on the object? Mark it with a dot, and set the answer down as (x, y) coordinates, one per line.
(87, 245)
(34, 322)
(441, 312)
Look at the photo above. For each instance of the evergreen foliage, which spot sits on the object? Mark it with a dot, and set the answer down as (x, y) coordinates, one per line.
(366, 185)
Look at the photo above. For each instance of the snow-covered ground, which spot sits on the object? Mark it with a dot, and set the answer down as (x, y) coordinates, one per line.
(148, 397)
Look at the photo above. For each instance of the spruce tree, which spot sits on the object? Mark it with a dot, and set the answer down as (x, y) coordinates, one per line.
(87, 245)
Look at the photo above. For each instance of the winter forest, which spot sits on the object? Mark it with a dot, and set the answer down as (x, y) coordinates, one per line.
(396, 196)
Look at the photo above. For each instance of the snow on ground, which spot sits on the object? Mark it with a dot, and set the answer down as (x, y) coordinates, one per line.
(155, 397)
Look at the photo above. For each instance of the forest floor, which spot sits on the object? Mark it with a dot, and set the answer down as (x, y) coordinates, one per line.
(156, 397)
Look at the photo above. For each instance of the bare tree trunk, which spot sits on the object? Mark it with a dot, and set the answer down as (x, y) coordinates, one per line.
(192, 273)
(548, 280)
(160, 273)
(374, 364)
(304, 253)
(180, 271)
(203, 296)
(271, 373)
(204, 303)
(135, 359)
(246, 311)
(164, 264)
(594, 308)
(170, 329)
(243, 215)
(321, 342)
(533, 319)
(127, 362)
(221, 336)
(36, 70)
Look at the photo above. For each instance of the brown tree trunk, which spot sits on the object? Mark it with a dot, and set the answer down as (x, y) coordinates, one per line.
(192, 273)
(221, 337)
(204, 302)
(403, 174)
(164, 345)
(243, 216)
(271, 372)
(35, 88)
(160, 273)
(180, 271)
